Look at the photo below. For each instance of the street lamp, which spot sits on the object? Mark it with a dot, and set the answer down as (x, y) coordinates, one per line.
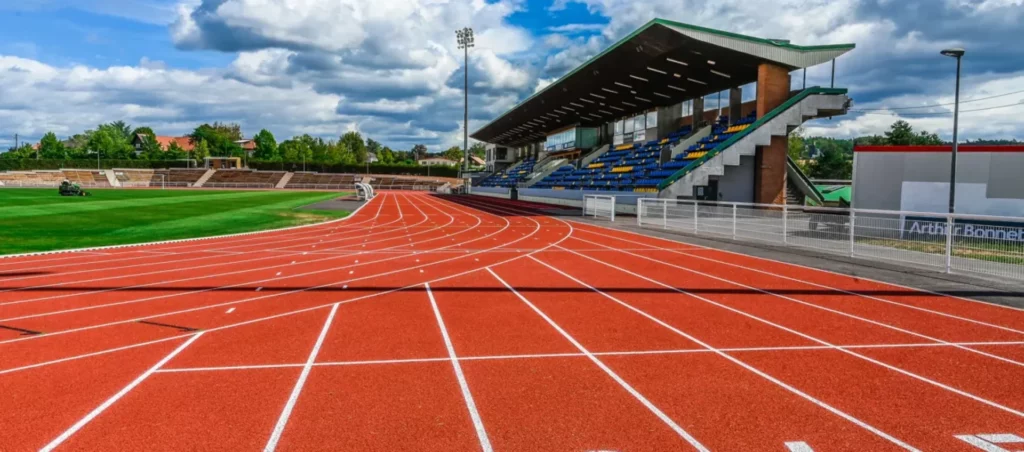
(465, 40)
(958, 54)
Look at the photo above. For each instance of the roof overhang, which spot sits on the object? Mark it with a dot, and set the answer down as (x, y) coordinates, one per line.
(662, 63)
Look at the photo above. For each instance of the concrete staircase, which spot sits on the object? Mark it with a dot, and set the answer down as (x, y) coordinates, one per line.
(799, 187)
(594, 155)
(284, 180)
(112, 178)
(691, 140)
(809, 104)
(545, 170)
(206, 176)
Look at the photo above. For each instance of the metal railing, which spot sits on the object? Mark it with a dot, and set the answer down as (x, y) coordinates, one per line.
(50, 184)
(238, 185)
(599, 206)
(978, 244)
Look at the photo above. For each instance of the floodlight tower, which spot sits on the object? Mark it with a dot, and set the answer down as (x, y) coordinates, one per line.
(465, 40)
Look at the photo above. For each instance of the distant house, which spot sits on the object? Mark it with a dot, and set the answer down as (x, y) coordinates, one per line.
(249, 146)
(185, 143)
(436, 161)
(474, 161)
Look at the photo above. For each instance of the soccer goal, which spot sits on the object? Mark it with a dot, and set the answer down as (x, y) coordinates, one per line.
(599, 206)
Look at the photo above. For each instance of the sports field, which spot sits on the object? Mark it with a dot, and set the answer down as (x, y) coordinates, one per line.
(41, 220)
(463, 323)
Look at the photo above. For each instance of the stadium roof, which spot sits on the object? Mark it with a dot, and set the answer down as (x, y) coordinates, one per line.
(661, 63)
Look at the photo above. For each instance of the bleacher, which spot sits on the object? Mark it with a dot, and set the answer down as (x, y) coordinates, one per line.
(243, 178)
(512, 175)
(406, 183)
(32, 178)
(326, 181)
(620, 169)
(720, 132)
(87, 178)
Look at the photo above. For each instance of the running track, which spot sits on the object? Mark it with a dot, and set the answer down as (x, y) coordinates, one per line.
(465, 323)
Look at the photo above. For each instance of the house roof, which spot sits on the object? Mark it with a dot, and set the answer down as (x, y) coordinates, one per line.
(185, 143)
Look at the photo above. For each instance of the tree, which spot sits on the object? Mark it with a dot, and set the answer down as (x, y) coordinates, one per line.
(121, 128)
(831, 164)
(232, 131)
(201, 150)
(23, 152)
(353, 141)
(797, 147)
(219, 140)
(143, 131)
(151, 149)
(902, 134)
(175, 152)
(373, 147)
(51, 148)
(266, 146)
(386, 156)
(453, 153)
(419, 152)
(111, 141)
(479, 150)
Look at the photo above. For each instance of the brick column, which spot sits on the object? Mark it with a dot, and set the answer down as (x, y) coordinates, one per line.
(770, 177)
(735, 103)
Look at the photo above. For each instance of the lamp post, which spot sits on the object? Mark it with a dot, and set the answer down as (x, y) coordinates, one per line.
(958, 54)
(465, 40)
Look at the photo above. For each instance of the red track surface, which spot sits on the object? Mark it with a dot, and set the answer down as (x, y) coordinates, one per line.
(428, 323)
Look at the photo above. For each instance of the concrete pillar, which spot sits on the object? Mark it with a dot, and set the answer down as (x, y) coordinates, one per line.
(770, 179)
(735, 103)
(668, 119)
(698, 112)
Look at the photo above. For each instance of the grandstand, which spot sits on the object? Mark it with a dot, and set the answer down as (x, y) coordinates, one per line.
(31, 178)
(644, 99)
(244, 178)
(304, 180)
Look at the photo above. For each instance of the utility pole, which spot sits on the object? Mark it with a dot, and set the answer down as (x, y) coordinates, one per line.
(16, 141)
(465, 40)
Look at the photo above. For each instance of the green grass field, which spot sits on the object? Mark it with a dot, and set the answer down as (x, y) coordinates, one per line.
(41, 220)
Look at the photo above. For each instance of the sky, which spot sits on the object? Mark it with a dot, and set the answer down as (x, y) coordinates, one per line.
(391, 69)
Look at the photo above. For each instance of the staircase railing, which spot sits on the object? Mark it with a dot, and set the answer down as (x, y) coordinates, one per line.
(803, 183)
(740, 135)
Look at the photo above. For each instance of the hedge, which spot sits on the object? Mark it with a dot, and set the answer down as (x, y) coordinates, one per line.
(410, 170)
(51, 164)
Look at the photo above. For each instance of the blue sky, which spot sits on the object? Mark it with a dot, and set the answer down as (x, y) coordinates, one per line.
(390, 69)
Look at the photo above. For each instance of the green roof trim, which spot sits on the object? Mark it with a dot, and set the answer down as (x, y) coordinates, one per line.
(669, 23)
(739, 136)
(776, 43)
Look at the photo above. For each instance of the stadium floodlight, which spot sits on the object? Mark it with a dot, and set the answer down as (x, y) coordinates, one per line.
(610, 91)
(465, 39)
(721, 74)
(623, 85)
(657, 71)
(675, 88)
(958, 54)
(676, 62)
(637, 77)
(662, 95)
(598, 96)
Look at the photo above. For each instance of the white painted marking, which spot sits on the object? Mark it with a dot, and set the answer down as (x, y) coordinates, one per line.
(798, 446)
(770, 378)
(478, 423)
(421, 270)
(293, 262)
(282, 421)
(230, 311)
(636, 394)
(259, 289)
(351, 272)
(278, 274)
(107, 404)
(345, 286)
(989, 442)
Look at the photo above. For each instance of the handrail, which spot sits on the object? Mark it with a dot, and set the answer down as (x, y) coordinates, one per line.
(740, 135)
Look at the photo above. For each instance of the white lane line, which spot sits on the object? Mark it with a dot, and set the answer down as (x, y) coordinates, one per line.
(870, 297)
(820, 307)
(478, 423)
(798, 446)
(816, 340)
(103, 407)
(230, 311)
(742, 364)
(284, 314)
(636, 394)
(775, 261)
(541, 356)
(282, 421)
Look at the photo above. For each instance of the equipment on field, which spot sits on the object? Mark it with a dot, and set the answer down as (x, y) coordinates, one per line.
(67, 188)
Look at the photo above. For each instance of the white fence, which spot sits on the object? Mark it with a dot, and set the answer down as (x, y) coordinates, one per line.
(599, 206)
(985, 245)
(238, 185)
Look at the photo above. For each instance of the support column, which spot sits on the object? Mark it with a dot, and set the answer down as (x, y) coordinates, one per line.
(698, 112)
(668, 119)
(735, 105)
(770, 180)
